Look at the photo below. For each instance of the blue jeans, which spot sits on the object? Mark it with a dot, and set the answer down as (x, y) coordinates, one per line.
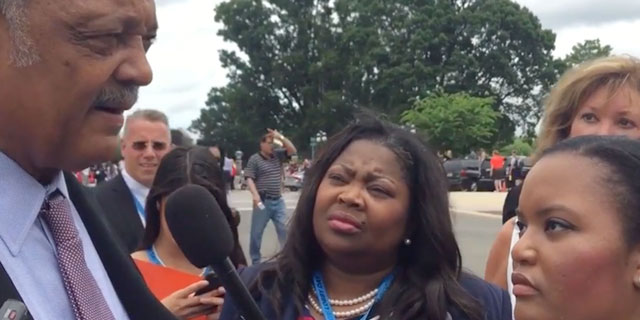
(274, 210)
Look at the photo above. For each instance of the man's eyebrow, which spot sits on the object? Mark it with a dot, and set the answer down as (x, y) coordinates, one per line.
(128, 22)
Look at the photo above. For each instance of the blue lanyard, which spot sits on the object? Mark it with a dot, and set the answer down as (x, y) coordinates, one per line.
(327, 311)
(153, 258)
(139, 207)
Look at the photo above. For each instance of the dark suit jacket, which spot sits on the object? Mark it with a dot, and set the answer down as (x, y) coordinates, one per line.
(137, 300)
(495, 301)
(118, 205)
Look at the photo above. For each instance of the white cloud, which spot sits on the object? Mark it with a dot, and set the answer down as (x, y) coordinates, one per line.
(619, 35)
(614, 22)
(186, 63)
(574, 13)
(184, 59)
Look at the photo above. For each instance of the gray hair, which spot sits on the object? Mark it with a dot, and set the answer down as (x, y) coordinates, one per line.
(150, 115)
(23, 51)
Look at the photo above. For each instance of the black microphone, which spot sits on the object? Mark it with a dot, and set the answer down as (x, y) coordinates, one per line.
(202, 232)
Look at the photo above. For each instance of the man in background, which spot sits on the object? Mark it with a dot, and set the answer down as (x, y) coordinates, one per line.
(146, 140)
(264, 174)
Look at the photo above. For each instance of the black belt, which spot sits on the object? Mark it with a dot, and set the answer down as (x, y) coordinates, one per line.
(265, 196)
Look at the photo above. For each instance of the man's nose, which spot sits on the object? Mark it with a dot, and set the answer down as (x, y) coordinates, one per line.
(135, 68)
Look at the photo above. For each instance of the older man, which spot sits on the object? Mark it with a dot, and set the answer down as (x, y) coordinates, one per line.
(146, 140)
(68, 71)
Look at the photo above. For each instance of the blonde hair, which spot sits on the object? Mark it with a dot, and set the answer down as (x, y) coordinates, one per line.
(577, 85)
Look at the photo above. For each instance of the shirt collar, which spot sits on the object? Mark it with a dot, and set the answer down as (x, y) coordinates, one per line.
(139, 190)
(21, 197)
(266, 157)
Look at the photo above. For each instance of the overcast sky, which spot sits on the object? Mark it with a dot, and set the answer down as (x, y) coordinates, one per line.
(186, 65)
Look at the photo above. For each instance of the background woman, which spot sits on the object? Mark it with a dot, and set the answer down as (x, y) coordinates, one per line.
(371, 238)
(180, 167)
(578, 256)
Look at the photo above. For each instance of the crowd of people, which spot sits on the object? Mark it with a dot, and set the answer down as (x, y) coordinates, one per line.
(371, 236)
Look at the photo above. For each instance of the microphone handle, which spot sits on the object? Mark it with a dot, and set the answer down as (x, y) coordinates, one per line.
(238, 291)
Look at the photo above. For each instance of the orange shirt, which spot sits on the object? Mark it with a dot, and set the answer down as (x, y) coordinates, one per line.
(163, 281)
(497, 162)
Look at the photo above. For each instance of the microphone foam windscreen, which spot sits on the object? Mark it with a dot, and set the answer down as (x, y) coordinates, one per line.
(198, 225)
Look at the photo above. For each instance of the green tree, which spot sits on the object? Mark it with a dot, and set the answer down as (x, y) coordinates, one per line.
(304, 66)
(284, 75)
(456, 122)
(587, 50)
(522, 148)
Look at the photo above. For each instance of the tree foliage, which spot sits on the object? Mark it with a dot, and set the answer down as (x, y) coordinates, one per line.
(456, 122)
(587, 50)
(307, 65)
(522, 148)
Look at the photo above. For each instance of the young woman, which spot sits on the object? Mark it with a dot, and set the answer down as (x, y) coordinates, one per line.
(371, 238)
(168, 273)
(578, 256)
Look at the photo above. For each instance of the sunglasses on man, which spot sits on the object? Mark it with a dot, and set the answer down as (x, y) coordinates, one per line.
(143, 145)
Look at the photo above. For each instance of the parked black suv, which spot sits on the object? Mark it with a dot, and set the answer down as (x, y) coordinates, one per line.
(475, 175)
(478, 176)
(468, 175)
(452, 168)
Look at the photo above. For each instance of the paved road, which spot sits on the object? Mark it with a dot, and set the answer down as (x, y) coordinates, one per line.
(476, 222)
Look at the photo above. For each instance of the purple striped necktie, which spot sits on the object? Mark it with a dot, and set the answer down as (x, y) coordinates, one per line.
(87, 300)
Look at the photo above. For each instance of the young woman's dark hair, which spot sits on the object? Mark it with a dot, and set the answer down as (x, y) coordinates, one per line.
(621, 174)
(180, 167)
(426, 284)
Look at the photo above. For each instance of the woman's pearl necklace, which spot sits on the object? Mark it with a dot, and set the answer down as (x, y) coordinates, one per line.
(344, 314)
(355, 301)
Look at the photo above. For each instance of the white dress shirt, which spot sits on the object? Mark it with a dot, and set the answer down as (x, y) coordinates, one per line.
(139, 191)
